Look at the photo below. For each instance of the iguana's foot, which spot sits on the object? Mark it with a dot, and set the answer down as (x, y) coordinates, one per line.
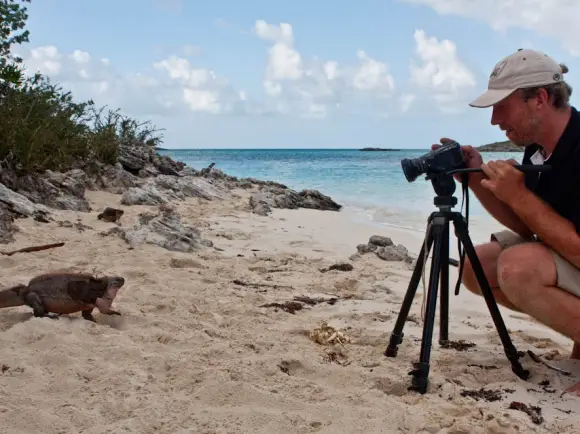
(52, 315)
(112, 312)
(88, 315)
(33, 300)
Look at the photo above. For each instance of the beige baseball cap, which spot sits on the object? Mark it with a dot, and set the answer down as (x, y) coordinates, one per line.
(524, 68)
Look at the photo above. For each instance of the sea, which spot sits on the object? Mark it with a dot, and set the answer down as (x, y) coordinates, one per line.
(371, 185)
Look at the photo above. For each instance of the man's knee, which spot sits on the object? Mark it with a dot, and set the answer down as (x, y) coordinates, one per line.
(487, 255)
(523, 265)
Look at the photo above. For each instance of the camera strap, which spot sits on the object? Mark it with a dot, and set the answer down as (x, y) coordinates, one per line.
(460, 250)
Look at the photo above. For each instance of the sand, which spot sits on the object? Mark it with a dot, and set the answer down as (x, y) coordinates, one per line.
(194, 351)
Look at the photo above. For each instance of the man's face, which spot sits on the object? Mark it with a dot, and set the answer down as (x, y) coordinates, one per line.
(518, 118)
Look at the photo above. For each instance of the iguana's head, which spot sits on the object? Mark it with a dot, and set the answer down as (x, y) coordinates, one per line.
(115, 282)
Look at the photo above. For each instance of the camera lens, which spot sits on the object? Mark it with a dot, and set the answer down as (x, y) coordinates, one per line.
(412, 168)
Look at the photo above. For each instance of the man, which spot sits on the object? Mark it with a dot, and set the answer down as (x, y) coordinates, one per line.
(533, 266)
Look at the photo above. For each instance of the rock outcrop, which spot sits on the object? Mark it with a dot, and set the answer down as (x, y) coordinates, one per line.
(270, 197)
(164, 188)
(505, 146)
(385, 249)
(142, 177)
(163, 229)
(143, 161)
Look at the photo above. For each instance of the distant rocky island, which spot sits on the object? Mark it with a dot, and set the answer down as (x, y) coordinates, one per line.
(378, 149)
(505, 146)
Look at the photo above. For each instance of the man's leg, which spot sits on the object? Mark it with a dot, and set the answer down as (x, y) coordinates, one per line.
(487, 254)
(529, 275)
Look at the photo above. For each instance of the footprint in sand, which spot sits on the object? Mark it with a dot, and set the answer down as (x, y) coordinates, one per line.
(298, 243)
(293, 367)
(391, 387)
(535, 341)
(6, 263)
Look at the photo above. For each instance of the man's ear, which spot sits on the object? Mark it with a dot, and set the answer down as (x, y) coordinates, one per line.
(541, 99)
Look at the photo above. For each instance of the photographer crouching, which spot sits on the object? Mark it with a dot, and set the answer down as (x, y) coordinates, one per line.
(534, 266)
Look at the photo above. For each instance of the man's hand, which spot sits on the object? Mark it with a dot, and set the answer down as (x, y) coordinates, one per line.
(473, 159)
(503, 180)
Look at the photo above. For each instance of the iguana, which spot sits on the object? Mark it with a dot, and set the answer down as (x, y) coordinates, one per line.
(63, 293)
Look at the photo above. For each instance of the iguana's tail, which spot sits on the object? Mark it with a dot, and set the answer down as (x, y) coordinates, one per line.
(10, 297)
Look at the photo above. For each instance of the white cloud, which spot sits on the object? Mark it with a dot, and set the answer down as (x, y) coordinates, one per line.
(372, 75)
(284, 63)
(441, 72)
(292, 83)
(279, 34)
(172, 85)
(313, 87)
(405, 101)
(553, 18)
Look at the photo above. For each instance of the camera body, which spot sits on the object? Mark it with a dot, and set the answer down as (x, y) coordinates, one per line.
(446, 158)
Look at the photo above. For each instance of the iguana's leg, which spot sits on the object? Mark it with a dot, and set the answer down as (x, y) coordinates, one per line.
(88, 315)
(104, 306)
(33, 300)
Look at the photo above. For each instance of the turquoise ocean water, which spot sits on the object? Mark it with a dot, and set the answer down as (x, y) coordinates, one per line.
(370, 185)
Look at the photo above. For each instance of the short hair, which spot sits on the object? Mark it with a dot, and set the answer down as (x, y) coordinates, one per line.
(559, 93)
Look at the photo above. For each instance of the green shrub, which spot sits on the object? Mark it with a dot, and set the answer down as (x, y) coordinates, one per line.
(41, 126)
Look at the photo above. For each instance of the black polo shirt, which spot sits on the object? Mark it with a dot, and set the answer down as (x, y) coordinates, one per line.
(560, 187)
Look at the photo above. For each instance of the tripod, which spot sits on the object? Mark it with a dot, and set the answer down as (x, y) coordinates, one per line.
(438, 234)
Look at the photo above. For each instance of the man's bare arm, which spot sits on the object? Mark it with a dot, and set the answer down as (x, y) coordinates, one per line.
(555, 230)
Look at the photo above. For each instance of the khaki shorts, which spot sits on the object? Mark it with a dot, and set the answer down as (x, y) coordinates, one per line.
(568, 274)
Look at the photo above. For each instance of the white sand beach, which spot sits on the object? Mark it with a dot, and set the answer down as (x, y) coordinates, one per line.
(194, 351)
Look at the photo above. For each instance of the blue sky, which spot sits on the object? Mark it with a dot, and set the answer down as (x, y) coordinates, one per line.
(263, 74)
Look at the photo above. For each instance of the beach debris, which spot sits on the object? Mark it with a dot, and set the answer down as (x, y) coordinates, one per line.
(287, 306)
(327, 334)
(385, 248)
(336, 355)
(551, 355)
(298, 302)
(314, 301)
(278, 196)
(291, 367)
(111, 215)
(484, 367)
(33, 249)
(163, 229)
(78, 225)
(342, 266)
(537, 359)
(460, 345)
(533, 411)
(64, 293)
(260, 285)
(483, 394)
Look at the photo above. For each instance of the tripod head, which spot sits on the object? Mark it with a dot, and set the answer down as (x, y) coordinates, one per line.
(444, 186)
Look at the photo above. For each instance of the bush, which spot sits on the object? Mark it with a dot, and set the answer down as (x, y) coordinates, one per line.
(41, 127)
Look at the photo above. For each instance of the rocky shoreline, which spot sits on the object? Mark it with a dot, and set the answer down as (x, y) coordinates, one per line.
(141, 177)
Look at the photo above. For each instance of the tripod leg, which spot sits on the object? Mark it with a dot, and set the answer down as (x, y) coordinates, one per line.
(397, 333)
(444, 288)
(509, 348)
(421, 371)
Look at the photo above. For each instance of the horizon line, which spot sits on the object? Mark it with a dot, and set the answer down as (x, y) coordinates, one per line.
(289, 149)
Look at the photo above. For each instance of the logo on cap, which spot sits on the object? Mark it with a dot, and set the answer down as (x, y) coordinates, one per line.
(498, 69)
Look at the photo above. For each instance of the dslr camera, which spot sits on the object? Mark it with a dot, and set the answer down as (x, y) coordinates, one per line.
(439, 161)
